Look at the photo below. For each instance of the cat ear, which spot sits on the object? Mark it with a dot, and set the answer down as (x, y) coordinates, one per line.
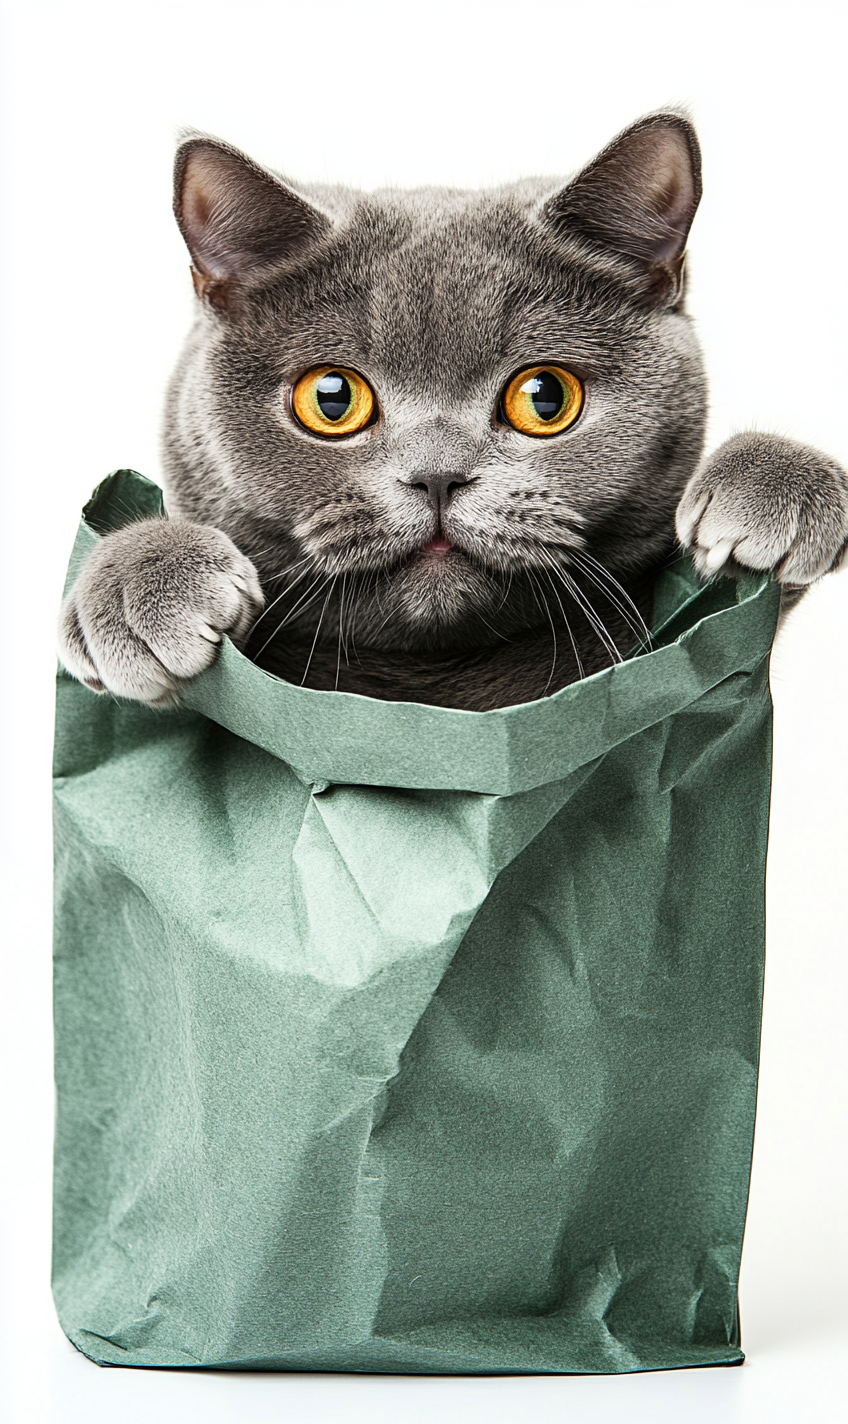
(638, 198)
(237, 219)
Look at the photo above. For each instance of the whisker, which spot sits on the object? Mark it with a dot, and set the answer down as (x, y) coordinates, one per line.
(577, 658)
(312, 594)
(374, 590)
(289, 568)
(351, 603)
(486, 624)
(592, 615)
(288, 589)
(369, 578)
(507, 591)
(384, 620)
(341, 611)
(260, 551)
(553, 630)
(318, 629)
(638, 626)
(611, 598)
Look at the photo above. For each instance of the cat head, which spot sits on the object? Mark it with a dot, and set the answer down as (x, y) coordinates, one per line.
(435, 396)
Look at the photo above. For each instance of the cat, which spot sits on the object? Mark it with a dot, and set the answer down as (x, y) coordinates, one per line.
(436, 445)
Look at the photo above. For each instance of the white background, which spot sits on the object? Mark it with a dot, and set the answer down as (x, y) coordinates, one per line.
(96, 295)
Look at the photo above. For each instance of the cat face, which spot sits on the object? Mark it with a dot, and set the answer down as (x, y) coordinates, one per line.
(439, 505)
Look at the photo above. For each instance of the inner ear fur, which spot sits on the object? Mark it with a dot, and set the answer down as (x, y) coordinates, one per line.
(237, 219)
(638, 199)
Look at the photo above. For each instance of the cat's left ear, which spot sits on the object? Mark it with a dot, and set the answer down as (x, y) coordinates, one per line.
(239, 221)
(637, 200)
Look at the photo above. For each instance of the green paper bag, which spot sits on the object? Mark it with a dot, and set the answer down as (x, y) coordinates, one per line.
(396, 1038)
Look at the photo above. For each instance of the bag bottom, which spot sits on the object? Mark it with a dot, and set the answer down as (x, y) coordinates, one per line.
(382, 1356)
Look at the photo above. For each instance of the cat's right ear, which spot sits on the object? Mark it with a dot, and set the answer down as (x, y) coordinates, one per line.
(636, 201)
(237, 219)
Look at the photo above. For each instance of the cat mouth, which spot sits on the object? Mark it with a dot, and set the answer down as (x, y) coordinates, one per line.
(441, 544)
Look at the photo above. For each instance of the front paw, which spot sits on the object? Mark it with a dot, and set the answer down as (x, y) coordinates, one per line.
(761, 502)
(150, 608)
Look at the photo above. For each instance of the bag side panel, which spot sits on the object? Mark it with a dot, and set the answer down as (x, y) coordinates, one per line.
(566, 1149)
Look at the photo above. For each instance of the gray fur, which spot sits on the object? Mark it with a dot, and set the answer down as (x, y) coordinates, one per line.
(437, 298)
(761, 502)
(153, 601)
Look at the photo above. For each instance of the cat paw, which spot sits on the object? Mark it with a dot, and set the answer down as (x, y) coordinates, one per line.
(761, 502)
(151, 606)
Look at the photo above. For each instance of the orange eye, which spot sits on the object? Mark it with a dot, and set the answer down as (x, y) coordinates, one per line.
(543, 400)
(331, 400)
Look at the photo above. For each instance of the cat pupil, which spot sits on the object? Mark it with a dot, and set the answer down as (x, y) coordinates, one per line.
(333, 395)
(546, 393)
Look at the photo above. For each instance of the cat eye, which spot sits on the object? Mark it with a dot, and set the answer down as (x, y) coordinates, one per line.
(331, 400)
(542, 400)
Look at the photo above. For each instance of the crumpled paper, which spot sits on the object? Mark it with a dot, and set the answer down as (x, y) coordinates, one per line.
(397, 1038)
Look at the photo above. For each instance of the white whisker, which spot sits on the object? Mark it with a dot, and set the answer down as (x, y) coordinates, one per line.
(341, 612)
(312, 594)
(592, 615)
(318, 630)
(287, 590)
(553, 631)
(577, 658)
(638, 626)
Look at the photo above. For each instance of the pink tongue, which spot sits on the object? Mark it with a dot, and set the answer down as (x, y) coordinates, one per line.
(438, 546)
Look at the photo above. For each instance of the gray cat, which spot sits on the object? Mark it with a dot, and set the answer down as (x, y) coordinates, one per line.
(445, 440)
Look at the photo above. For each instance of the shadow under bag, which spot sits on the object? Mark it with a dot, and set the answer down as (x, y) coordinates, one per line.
(397, 1038)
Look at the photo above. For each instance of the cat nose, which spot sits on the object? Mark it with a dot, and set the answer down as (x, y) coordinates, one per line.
(439, 486)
